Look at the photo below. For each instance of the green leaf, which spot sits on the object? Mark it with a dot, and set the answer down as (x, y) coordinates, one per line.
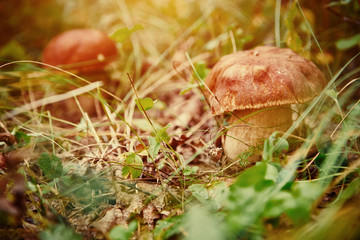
(22, 137)
(143, 124)
(344, 44)
(122, 233)
(133, 166)
(248, 197)
(154, 147)
(305, 195)
(167, 228)
(190, 170)
(274, 147)
(214, 196)
(46, 188)
(202, 223)
(259, 193)
(272, 173)
(268, 150)
(162, 135)
(199, 192)
(218, 193)
(279, 204)
(87, 189)
(50, 165)
(144, 103)
(341, 2)
(59, 232)
(332, 93)
(352, 189)
(122, 34)
(252, 176)
(201, 69)
(295, 202)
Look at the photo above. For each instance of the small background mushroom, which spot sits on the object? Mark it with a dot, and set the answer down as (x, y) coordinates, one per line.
(258, 86)
(85, 52)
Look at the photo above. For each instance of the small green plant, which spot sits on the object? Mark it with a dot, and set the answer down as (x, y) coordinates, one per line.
(133, 166)
(258, 196)
(59, 232)
(50, 165)
(274, 148)
(122, 34)
(123, 233)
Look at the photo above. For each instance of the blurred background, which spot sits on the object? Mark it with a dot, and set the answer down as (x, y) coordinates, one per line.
(158, 34)
(27, 25)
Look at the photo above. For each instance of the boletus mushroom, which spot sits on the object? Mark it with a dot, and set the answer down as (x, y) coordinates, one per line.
(85, 52)
(82, 50)
(258, 87)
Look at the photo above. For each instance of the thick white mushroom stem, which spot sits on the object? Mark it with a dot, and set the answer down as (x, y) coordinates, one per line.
(251, 127)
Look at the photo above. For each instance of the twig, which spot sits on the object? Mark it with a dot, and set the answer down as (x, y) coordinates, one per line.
(142, 108)
(344, 18)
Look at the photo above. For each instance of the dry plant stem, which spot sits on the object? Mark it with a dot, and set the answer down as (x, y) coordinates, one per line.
(252, 127)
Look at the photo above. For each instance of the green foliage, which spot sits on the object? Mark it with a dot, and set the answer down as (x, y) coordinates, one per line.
(274, 148)
(257, 195)
(133, 166)
(201, 223)
(123, 34)
(50, 165)
(200, 72)
(338, 220)
(201, 69)
(145, 125)
(144, 104)
(162, 135)
(28, 67)
(154, 147)
(341, 2)
(247, 199)
(22, 137)
(86, 189)
(59, 232)
(199, 192)
(123, 233)
(352, 189)
(347, 43)
(167, 228)
(213, 196)
(332, 93)
(190, 170)
(296, 201)
(252, 151)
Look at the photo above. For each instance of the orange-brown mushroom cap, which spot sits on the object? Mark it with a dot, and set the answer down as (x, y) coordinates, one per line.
(80, 48)
(263, 77)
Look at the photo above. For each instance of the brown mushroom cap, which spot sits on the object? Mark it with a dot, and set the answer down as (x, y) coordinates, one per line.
(262, 77)
(81, 49)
